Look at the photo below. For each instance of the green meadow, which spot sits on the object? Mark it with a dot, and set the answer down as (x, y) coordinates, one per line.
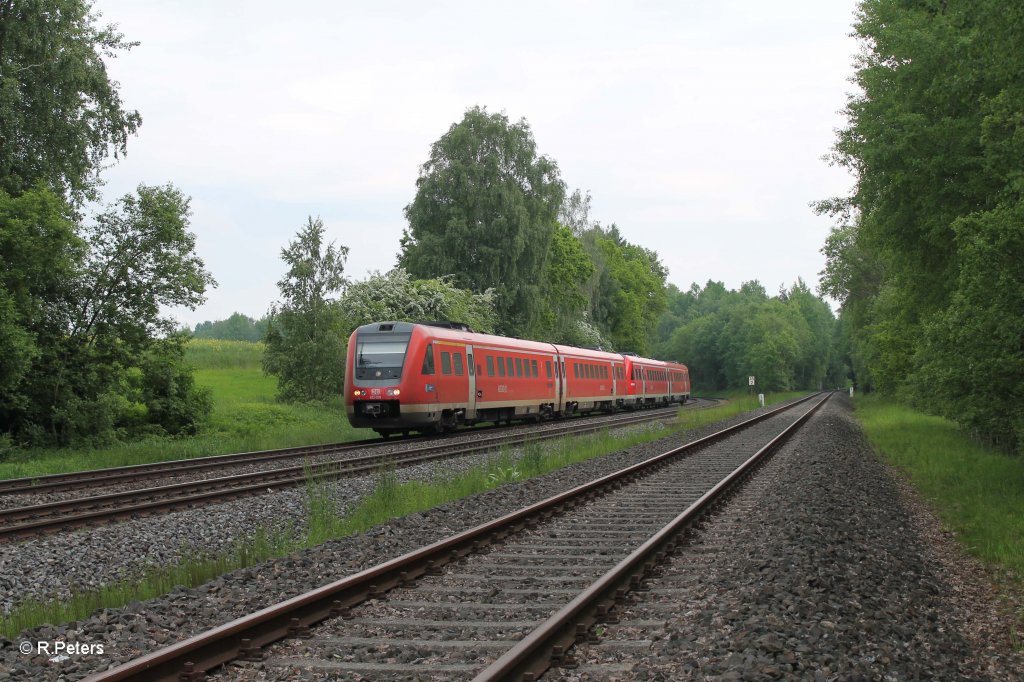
(245, 418)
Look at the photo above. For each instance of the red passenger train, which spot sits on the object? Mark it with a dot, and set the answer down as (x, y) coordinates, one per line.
(432, 377)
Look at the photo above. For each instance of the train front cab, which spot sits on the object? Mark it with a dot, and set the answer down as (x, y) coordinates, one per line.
(375, 395)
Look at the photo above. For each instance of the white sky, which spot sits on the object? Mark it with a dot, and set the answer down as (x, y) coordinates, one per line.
(698, 127)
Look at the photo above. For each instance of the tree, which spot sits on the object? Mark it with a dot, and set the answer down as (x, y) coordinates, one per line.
(565, 304)
(397, 296)
(484, 213)
(785, 340)
(237, 327)
(305, 335)
(40, 256)
(627, 290)
(141, 260)
(86, 311)
(934, 139)
(60, 114)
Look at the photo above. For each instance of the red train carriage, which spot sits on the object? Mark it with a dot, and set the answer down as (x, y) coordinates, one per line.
(593, 379)
(404, 377)
(655, 382)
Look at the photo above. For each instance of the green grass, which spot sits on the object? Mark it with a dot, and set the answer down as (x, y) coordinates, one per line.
(977, 491)
(390, 499)
(245, 418)
(215, 354)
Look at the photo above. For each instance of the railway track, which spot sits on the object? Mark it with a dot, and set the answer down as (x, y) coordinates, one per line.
(77, 480)
(505, 600)
(66, 514)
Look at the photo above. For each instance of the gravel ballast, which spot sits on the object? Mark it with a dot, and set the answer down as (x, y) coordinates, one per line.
(831, 562)
(831, 576)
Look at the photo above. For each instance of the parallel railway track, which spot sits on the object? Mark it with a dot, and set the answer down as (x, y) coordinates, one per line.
(516, 592)
(61, 515)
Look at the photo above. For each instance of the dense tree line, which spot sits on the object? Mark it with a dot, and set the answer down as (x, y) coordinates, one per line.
(87, 354)
(237, 327)
(926, 258)
(784, 341)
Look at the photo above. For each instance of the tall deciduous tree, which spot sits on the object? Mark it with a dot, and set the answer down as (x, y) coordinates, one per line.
(626, 290)
(935, 137)
(484, 213)
(93, 353)
(305, 336)
(60, 114)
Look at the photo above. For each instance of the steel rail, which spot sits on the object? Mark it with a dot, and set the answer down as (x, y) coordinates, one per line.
(51, 517)
(551, 640)
(94, 477)
(245, 636)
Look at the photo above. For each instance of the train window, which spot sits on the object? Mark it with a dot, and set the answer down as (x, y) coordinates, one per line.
(446, 363)
(604, 372)
(458, 363)
(428, 360)
(590, 371)
(576, 370)
(547, 367)
(519, 367)
(469, 364)
(533, 368)
(490, 366)
(510, 367)
(501, 366)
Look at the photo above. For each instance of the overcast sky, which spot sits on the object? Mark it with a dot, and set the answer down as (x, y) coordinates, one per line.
(698, 127)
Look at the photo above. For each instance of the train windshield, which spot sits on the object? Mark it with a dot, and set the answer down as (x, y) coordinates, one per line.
(380, 359)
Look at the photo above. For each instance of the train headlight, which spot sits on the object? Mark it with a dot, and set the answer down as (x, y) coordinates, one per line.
(394, 391)
(359, 392)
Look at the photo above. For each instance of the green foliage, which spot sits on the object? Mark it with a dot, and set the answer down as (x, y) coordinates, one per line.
(484, 213)
(305, 341)
(725, 336)
(626, 289)
(167, 388)
(81, 318)
(238, 327)
(565, 303)
(926, 257)
(397, 296)
(41, 255)
(86, 353)
(60, 114)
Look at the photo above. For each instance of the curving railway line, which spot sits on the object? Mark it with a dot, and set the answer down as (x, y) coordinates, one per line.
(505, 600)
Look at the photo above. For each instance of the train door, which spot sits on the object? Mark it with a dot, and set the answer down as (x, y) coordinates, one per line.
(559, 384)
(471, 367)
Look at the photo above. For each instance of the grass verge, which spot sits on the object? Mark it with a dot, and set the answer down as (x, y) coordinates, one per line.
(390, 499)
(978, 492)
